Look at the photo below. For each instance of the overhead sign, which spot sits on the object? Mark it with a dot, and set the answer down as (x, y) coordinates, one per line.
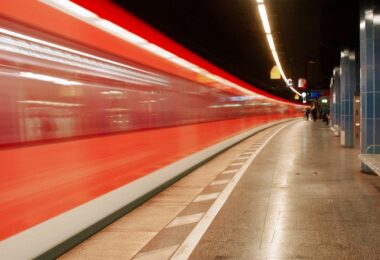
(303, 95)
(314, 95)
(289, 82)
(301, 83)
(275, 73)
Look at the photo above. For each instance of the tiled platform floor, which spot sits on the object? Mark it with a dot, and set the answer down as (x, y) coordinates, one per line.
(147, 228)
(302, 198)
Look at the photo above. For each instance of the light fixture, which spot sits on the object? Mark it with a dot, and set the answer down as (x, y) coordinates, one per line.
(376, 19)
(368, 14)
(266, 26)
(264, 18)
(362, 25)
(271, 42)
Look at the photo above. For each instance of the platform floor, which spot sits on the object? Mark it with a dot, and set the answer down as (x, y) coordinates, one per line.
(302, 197)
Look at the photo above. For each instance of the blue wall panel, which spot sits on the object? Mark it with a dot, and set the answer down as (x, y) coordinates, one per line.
(370, 77)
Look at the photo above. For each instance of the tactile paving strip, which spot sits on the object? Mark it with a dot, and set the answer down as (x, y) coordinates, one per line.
(167, 241)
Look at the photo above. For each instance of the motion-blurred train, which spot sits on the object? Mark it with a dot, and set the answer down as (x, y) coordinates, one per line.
(95, 117)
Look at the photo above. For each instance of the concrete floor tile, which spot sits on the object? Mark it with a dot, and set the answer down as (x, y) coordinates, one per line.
(277, 250)
(308, 251)
(220, 182)
(185, 220)
(169, 237)
(233, 233)
(162, 254)
(177, 195)
(281, 225)
(147, 218)
(336, 251)
(139, 228)
(225, 250)
(115, 245)
(196, 207)
(312, 203)
(206, 197)
(303, 197)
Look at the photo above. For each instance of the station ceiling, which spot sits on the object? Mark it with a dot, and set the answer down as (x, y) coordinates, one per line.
(309, 35)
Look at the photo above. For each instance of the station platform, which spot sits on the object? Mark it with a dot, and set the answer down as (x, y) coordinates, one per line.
(288, 192)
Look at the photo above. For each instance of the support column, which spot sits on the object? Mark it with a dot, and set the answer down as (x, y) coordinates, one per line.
(331, 121)
(370, 77)
(335, 113)
(347, 92)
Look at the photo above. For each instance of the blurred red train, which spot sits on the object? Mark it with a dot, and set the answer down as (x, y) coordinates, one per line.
(94, 117)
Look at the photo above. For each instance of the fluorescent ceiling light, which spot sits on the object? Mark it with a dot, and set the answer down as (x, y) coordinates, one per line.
(266, 25)
(362, 25)
(352, 56)
(271, 42)
(344, 53)
(295, 91)
(376, 19)
(264, 18)
(275, 57)
(368, 14)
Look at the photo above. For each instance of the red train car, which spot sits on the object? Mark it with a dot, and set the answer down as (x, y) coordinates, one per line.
(95, 115)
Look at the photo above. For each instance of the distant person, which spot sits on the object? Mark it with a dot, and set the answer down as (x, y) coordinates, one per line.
(307, 113)
(314, 113)
(326, 116)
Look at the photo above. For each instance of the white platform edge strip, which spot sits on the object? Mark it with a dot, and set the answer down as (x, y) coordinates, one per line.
(219, 182)
(188, 246)
(162, 253)
(184, 220)
(42, 237)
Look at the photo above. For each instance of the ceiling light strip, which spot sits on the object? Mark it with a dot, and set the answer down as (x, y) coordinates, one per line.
(267, 29)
